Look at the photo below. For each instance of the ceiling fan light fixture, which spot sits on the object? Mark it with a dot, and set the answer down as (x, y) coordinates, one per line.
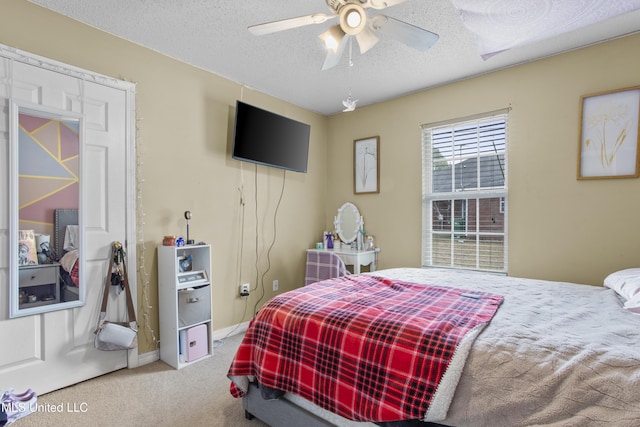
(332, 38)
(353, 18)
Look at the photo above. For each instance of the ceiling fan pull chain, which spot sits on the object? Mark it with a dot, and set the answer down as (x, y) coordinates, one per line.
(350, 103)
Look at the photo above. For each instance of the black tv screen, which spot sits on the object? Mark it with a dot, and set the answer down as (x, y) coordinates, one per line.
(269, 139)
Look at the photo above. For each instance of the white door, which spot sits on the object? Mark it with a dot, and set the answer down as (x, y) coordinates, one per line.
(53, 350)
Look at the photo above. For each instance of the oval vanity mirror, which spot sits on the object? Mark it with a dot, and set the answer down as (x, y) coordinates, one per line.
(46, 233)
(347, 223)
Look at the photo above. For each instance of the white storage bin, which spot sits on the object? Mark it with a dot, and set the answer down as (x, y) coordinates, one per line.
(194, 305)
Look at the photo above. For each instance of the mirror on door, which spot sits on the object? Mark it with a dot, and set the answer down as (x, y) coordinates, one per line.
(46, 227)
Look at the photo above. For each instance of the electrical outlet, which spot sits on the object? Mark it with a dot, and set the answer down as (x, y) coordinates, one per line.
(244, 290)
(275, 285)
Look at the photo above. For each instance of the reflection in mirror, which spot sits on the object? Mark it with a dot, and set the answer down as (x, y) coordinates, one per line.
(347, 222)
(46, 234)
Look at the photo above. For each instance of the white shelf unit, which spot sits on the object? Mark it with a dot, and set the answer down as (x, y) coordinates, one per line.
(185, 300)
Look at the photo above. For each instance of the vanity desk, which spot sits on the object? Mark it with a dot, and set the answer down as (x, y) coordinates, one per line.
(354, 257)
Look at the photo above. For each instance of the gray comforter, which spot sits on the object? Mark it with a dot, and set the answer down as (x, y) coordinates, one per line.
(555, 354)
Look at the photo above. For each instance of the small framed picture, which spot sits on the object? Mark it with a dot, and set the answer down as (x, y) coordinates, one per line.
(609, 127)
(366, 165)
(27, 253)
(185, 263)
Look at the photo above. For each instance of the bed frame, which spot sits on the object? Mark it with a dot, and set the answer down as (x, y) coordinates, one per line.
(280, 412)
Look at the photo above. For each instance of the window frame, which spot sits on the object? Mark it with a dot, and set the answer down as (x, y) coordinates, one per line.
(454, 195)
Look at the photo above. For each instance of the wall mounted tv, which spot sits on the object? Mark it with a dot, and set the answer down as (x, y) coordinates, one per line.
(269, 139)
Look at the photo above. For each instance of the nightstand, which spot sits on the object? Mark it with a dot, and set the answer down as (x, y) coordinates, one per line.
(40, 283)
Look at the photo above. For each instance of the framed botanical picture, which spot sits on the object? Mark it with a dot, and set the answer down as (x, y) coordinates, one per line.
(366, 165)
(609, 129)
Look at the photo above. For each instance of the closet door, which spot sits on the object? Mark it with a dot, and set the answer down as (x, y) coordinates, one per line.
(55, 349)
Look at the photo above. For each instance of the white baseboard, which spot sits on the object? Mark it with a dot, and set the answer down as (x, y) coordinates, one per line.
(220, 334)
(230, 331)
(148, 357)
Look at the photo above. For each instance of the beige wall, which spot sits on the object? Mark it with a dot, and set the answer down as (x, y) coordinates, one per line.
(185, 125)
(559, 228)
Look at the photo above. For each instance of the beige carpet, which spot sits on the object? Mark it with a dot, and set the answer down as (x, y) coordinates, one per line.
(151, 395)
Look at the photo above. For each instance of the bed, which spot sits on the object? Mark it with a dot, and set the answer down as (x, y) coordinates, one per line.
(66, 247)
(554, 354)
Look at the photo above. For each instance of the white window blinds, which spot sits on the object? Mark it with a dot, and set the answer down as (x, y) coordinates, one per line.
(465, 193)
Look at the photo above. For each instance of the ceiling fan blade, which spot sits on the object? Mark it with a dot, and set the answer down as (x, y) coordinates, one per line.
(412, 36)
(333, 58)
(381, 4)
(366, 39)
(287, 24)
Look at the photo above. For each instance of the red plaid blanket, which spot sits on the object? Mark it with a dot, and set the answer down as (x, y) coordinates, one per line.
(75, 275)
(363, 347)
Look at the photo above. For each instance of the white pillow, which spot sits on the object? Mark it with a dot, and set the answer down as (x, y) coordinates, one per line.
(633, 305)
(71, 238)
(626, 283)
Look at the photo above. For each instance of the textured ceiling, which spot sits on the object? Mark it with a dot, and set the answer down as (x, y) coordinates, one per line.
(212, 35)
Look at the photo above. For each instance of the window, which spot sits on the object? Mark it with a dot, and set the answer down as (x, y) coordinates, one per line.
(465, 193)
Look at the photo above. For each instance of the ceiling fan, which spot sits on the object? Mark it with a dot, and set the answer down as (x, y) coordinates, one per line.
(354, 22)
